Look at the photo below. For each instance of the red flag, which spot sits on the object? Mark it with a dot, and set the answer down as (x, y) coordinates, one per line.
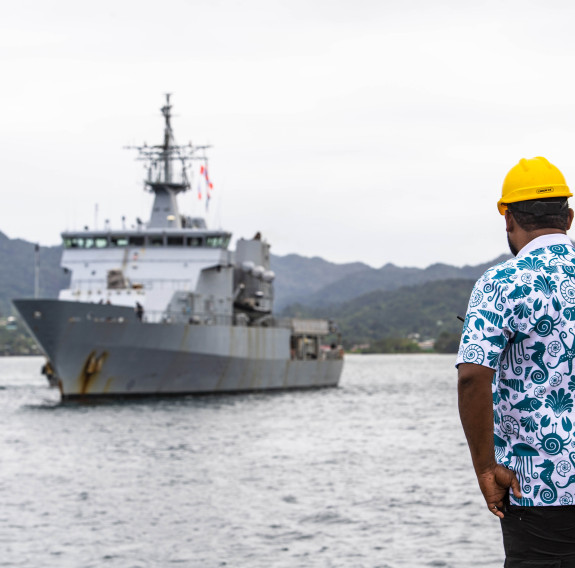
(204, 172)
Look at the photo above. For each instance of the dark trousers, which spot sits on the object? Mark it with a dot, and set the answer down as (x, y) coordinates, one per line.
(542, 537)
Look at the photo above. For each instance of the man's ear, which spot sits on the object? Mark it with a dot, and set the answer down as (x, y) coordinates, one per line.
(509, 221)
(571, 213)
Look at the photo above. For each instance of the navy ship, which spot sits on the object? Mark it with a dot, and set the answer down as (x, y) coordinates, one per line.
(166, 308)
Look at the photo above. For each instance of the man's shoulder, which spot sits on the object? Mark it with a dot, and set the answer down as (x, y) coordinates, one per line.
(501, 270)
(535, 259)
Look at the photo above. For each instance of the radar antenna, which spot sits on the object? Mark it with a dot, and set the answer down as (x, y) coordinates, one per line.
(160, 158)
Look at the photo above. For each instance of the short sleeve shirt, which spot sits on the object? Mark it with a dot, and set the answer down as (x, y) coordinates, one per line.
(521, 323)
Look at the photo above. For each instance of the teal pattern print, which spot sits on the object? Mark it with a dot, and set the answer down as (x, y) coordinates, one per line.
(521, 323)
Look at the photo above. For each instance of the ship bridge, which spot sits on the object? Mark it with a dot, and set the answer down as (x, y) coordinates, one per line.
(150, 238)
(148, 266)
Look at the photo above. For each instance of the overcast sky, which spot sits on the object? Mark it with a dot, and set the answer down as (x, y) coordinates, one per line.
(366, 130)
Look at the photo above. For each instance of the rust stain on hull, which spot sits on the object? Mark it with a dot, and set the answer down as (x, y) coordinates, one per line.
(91, 370)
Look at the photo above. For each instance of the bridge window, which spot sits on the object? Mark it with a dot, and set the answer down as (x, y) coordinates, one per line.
(118, 241)
(85, 242)
(175, 241)
(219, 241)
(136, 241)
(156, 241)
(74, 243)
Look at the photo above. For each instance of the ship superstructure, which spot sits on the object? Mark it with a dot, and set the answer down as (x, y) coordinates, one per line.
(167, 308)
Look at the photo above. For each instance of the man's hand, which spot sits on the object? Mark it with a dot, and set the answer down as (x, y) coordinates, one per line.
(494, 484)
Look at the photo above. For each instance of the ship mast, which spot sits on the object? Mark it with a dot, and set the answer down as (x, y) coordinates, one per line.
(167, 139)
(160, 181)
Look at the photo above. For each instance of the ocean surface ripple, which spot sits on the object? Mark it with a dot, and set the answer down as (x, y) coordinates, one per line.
(375, 474)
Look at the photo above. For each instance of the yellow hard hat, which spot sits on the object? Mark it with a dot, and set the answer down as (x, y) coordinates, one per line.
(535, 178)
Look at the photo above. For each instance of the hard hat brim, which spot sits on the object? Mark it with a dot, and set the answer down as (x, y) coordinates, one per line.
(528, 193)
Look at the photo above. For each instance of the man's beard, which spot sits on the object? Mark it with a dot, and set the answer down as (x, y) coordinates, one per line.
(514, 250)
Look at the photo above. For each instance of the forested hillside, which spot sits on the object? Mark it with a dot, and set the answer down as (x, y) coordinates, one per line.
(425, 309)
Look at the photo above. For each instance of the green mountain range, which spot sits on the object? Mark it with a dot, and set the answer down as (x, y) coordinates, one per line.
(316, 282)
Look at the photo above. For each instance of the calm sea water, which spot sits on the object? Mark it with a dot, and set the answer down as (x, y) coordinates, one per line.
(375, 473)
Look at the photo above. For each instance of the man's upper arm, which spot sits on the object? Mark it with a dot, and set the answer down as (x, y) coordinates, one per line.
(471, 372)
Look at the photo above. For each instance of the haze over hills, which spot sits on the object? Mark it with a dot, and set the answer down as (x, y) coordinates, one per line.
(316, 282)
(299, 278)
(17, 258)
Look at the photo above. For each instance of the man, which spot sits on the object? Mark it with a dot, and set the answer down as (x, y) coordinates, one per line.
(516, 367)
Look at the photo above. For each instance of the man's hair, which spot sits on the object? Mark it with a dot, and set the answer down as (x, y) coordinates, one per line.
(551, 213)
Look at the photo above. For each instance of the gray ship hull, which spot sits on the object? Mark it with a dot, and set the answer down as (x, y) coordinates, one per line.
(106, 351)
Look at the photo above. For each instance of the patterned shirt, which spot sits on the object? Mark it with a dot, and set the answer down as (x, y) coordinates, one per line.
(521, 323)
